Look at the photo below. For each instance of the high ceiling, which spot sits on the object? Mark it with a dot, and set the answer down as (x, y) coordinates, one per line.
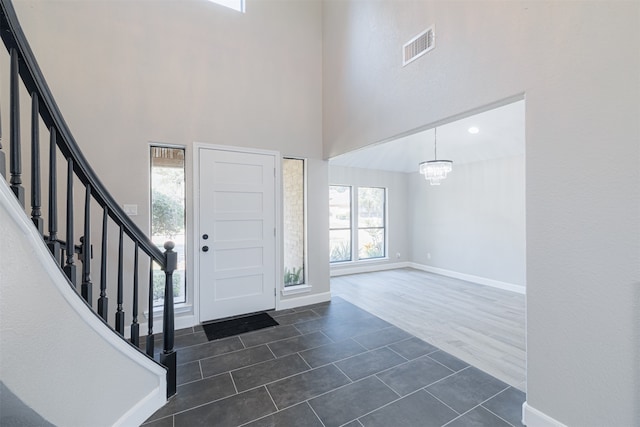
(500, 134)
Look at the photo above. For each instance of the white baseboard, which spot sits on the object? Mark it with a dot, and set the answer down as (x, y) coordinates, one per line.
(470, 278)
(304, 300)
(367, 268)
(531, 417)
(141, 410)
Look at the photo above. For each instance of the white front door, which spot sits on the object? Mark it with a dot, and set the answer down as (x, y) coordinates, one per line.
(237, 233)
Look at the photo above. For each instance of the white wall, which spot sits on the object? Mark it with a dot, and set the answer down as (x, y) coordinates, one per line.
(473, 222)
(128, 73)
(55, 354)
(578, 65)
(576, 62)
(398, 240)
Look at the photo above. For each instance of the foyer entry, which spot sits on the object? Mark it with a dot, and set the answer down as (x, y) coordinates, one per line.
(237, 244)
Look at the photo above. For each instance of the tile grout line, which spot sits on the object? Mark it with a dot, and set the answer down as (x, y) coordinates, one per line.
(315, 413)
(304, 349)
(272, 401)
(345, 374)
(196, 345)
(299, 331)
(388, 403)
(235, 369)
(328, 391)
(270, 382)
(440, 363)
(234, 383)
(440, 400)
(338, 342)
(147, 422)
(491, 397)
(271, 350)
(448, 376)
(274, 381)
(274, 341)
(408, 360)
(201, 405)
(460, 415)
(304, 360)
(490, 411)
(396, 400)
(479, 405)
(355, 355)
(393, 389)
(328, 337)
(345, 385)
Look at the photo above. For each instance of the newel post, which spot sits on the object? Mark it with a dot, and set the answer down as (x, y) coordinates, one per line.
(168, 355)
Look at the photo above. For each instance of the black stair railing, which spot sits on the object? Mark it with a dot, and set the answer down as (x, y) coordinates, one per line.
(61, 142)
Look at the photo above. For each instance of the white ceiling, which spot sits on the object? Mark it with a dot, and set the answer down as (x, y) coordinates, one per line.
(501, 135)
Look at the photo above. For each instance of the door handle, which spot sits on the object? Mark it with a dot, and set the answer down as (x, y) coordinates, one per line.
(205, 248)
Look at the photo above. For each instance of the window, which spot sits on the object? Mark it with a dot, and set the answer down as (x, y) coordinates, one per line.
(339, 223)
(168, 215)
(233, 4)
(368, 220)
(293, 213)
(371, 232)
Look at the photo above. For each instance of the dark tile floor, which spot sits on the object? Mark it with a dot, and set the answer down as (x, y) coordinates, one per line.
(330, 364)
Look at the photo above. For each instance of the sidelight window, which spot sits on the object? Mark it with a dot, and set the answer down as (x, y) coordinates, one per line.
(293, 183)
(168, 215)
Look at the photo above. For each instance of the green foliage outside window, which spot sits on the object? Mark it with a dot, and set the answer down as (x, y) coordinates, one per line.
(158, 285)
(340, 251)
(168, 215)
(293, 277)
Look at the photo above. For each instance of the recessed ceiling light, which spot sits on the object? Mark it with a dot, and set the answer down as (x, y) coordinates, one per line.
(473, 130)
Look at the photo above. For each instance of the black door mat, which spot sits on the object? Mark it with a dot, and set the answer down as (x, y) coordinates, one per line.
(227, 328)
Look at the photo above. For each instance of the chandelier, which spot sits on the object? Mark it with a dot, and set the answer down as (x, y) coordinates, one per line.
(435, 170)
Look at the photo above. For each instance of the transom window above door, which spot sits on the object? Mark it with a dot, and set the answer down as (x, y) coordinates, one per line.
(232, 4)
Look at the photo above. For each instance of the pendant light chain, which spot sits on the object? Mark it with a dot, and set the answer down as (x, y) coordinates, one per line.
(435, 143)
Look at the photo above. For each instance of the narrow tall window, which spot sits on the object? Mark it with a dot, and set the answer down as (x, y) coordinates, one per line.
(168, 215)
(293, 218)
(371, 222)
(339, 223)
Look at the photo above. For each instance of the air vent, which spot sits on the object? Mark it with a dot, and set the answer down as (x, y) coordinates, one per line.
(418, 46)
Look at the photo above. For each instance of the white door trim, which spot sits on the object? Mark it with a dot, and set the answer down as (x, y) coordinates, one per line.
(195, 238)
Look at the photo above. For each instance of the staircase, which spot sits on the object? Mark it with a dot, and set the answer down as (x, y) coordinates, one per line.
(74, 219)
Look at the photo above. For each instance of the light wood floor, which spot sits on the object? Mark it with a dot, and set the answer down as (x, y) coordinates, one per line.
(481, 325)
